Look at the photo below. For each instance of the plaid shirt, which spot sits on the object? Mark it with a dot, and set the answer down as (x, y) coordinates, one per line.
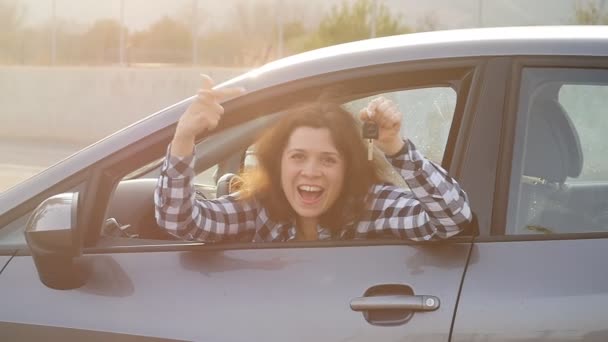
(435, 207)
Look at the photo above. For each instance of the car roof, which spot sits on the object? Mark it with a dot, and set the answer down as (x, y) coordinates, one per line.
(496, 41)
(504, 41)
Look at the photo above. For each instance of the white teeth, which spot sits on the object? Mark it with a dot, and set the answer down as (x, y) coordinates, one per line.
(310, 188)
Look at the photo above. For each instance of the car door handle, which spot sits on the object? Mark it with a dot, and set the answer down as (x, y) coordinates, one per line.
(395, 302)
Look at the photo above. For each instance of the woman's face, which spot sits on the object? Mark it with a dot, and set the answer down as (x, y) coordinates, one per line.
(312, 171)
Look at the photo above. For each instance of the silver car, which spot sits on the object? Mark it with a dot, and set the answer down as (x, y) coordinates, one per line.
(519, 116)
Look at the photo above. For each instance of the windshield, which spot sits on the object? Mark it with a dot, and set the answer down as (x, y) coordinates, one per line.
(23, 158)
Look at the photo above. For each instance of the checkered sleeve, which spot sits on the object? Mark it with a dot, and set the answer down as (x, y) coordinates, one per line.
(434, 208)
(178, 211)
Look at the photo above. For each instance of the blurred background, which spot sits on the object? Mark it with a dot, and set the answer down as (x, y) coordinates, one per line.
(242, 33)
(74, 71)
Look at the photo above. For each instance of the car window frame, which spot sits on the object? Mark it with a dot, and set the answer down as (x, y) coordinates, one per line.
(104, 176)
(503, 179)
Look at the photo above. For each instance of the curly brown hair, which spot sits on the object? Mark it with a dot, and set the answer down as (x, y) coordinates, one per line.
(264, 181)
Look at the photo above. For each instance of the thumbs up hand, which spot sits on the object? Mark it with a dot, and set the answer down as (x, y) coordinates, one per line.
(203, 114)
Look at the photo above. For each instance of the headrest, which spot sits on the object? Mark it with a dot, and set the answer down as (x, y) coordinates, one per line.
(228, 184)
(553, 149)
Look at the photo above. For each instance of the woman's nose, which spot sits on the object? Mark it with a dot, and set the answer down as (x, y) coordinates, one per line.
(311, 169)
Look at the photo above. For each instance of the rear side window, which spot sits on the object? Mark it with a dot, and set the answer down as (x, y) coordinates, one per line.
(559, 179)
(587, 107)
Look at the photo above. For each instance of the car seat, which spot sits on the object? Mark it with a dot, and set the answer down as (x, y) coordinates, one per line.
(552, 153)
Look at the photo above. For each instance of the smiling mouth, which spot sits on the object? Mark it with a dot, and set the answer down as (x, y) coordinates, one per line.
(310, 194)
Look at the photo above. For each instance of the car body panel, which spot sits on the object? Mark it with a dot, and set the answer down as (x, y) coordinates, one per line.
(234, 295)
(501, 41)
(29, 332)
(550, 285)
(54, 213)
(554, 290)
(4, 259)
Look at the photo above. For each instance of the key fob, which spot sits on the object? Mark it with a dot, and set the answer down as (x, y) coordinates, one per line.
(370, 130)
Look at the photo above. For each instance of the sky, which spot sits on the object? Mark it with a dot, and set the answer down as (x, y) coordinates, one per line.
(138, 14)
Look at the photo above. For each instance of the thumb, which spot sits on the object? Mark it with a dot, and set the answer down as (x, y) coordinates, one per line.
(206, 82)
(364, 114)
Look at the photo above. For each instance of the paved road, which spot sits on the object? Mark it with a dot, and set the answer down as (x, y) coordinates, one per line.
(23, 159)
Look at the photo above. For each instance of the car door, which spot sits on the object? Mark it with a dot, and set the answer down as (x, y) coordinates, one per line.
(539, 273)
(297, 291)
(4, 259)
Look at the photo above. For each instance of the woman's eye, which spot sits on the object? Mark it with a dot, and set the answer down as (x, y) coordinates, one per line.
(297, 156)
(329, 160)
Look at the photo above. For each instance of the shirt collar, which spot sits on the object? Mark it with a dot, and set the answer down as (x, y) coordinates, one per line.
(322, 233)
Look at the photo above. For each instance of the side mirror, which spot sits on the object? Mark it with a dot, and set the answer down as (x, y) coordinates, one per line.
(53, 241)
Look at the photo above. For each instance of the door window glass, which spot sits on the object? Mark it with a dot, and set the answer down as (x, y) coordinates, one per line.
(587, 106)
(559, 180)
(427, 116)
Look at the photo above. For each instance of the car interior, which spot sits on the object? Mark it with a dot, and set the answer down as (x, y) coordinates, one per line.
(548, 204)
(131, 210)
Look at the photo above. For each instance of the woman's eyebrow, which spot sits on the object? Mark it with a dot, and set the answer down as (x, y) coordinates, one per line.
(336, 155)
(303, 150)
(331, 153)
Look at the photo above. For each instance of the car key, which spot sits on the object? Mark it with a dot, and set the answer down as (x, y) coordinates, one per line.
(370, 132)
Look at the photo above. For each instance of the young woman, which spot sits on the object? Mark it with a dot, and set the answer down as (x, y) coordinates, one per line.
(313, 181)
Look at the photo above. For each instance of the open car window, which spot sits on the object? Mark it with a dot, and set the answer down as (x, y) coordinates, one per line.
(428, 111)
(427, 118)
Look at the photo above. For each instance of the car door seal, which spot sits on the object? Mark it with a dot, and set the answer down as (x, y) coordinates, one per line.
(464, 273)
(9, 260)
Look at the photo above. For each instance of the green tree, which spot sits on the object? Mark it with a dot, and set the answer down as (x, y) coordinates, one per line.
(589, 13)
(101, 43)
(350, 22)
(69, 42)
(429, 22)
(33, 45)
(249, 37)
(11, 20)
(11, 16)
(166, 41)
